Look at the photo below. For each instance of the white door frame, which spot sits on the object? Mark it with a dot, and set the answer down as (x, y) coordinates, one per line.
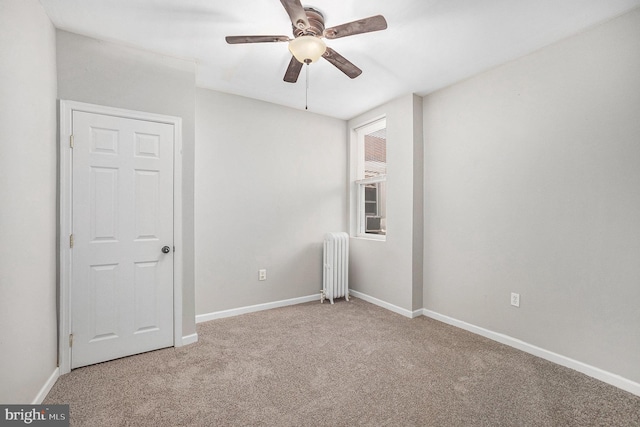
(66, 128)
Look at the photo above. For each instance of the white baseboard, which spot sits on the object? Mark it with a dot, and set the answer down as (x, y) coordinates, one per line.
(592, 371)
(46, 388)
(253, 308)
(190, 339)
(402, 311)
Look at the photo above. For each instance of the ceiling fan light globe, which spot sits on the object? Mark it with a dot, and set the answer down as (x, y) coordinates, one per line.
(307, 49)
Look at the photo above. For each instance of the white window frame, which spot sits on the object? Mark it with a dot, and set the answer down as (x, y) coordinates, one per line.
(361, 214)
(357, 178)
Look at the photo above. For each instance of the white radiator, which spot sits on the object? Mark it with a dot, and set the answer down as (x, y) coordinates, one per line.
(335, 280)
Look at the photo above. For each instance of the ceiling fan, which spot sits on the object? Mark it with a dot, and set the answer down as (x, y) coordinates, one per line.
(307, 45)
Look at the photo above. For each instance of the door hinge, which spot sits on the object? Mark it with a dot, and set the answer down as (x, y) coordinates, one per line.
(71, 241)
(70, 340)
(71, 141)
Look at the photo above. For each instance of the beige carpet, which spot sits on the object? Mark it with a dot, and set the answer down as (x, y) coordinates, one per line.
(342, 365)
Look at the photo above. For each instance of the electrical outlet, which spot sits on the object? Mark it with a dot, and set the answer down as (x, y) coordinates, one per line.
(515, 299)
(262, 274)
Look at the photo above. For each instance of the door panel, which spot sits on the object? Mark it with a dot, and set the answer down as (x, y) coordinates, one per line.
(104, 204)
(103, 313)
(147, 187)
(122, 284)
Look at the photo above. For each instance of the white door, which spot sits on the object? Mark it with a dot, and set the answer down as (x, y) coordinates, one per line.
(122, 221)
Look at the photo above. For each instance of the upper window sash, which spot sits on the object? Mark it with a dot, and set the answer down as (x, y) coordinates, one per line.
(361, 132)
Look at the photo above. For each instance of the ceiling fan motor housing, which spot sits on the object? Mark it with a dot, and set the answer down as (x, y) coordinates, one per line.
(316, 24)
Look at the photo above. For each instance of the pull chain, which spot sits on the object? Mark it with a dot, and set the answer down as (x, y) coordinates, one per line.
(306, 93)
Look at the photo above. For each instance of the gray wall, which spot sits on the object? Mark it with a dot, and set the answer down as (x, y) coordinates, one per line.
(270, 182)
(418, 205)
(109, 74)
(386, 269)
(532, 185)
(28, 355)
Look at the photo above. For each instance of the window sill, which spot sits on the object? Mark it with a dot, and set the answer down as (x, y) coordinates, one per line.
(374, 237)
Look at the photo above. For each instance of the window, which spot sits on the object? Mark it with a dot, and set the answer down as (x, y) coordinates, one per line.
(370, 180)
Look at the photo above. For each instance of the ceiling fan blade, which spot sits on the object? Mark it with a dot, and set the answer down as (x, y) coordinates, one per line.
(255, 39)
(366, 25)
(293, 70)
(296, 13)
(341, 63)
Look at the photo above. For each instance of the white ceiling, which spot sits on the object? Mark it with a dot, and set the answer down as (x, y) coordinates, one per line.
(429, 44)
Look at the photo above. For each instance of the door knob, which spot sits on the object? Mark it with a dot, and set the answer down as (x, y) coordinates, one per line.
(166, 249)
